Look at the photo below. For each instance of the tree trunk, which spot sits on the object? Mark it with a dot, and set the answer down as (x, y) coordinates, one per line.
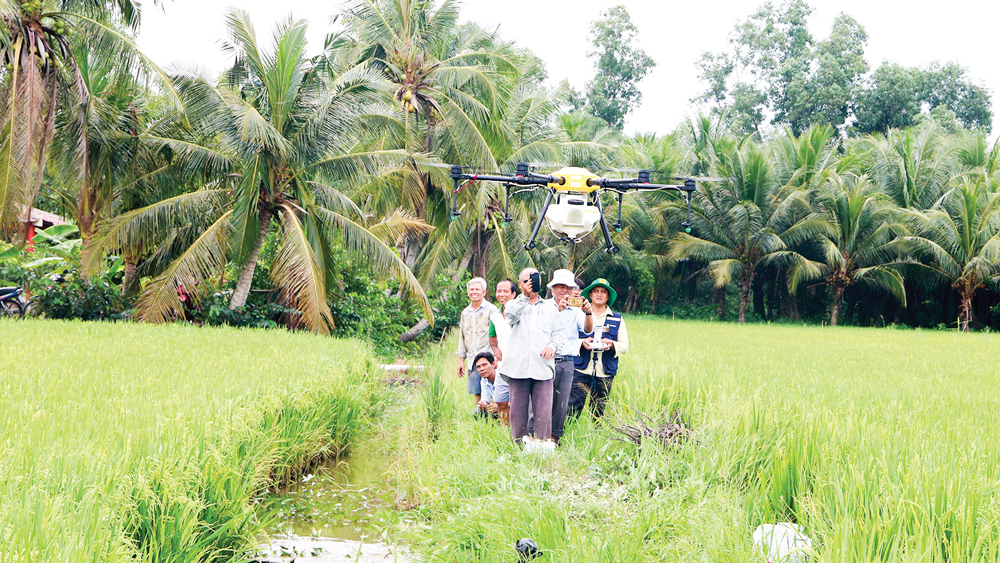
(85, 223)
(965, 307)
(758, 298)
(414, 331)
(129, 280)
(463, 265)
(838, 294)
(720, 298)
(250, 264)
(481, 258)
(745, 296)
(791, 303)
(411, 248)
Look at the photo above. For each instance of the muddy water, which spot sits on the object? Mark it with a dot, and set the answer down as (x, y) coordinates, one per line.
(342, 500)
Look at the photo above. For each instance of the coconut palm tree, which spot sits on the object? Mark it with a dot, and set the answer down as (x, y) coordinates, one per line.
(851, 235)
(42, 76)
(284, 138)
(738, 224)
(912, 166)
(958, 241)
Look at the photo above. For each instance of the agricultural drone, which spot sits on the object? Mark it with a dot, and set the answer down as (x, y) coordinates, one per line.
(573, 204)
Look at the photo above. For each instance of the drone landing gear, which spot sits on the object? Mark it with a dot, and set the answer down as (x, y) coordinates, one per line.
(541, 218)
(609, 246)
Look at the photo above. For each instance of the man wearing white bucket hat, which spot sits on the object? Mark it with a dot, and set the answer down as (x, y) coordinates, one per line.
(575, 321)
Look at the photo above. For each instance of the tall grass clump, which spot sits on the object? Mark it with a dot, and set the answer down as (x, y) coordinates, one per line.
(139, 442)
(439, 402)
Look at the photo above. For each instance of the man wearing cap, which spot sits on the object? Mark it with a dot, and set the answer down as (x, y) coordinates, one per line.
(575, 321)
(597, 364)
(473, 329)
(528, 361)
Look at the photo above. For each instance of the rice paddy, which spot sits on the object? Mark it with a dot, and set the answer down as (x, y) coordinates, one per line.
(124, 442)
(883, 444)
(131, 442)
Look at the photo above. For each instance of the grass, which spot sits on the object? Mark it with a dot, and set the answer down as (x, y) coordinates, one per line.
(883, 444)
(132, 442)
(135, 442)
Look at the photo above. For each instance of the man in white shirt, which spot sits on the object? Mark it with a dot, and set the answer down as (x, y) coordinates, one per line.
(473, 333)
(576, 321)
(535, 337)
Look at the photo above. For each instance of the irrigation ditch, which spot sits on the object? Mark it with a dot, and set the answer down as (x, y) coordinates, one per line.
(341, 509)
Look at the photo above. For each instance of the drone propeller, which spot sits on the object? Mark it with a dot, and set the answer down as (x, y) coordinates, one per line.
(445, 166)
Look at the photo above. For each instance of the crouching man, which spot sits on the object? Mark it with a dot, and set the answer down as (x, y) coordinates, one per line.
(486, 366)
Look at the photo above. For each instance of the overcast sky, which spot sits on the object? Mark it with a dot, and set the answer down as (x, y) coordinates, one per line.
(187, 33)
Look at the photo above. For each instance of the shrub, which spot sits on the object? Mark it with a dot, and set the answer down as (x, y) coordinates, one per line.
(79, 298)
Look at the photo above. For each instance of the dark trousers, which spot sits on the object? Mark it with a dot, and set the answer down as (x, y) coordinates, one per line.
(562, 387)
(562, 384)
(586, 384)
(537, 395)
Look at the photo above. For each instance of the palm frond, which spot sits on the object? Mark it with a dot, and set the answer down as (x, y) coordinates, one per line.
(370, 250)
(159, 301)
(137, 229)
(298, 273)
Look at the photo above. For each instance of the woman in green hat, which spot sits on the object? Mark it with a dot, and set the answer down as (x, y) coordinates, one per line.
(597, 364)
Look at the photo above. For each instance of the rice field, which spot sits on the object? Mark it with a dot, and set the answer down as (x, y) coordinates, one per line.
(131, 442)
(136, 442)
(883, 444)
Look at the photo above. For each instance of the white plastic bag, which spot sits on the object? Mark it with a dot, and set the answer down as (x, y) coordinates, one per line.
(782, 542)
(541, 447)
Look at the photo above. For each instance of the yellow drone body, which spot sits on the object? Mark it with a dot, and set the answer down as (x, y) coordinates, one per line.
(575, 180)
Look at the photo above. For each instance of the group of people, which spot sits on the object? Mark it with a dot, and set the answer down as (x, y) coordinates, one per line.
(532, 361)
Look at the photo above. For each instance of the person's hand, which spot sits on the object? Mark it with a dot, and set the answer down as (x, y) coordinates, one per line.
(586, 306)
(497, 354)
(609, 345)
(493, 407)
(548, 353)
(587, 343)
(483, 405)
(461, 369)
(564, 302)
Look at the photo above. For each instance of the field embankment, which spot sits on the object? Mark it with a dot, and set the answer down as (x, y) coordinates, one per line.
(137, 442)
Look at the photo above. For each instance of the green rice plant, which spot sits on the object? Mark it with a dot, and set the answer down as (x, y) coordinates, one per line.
(439, 402)
(131, 442)
(883, 445)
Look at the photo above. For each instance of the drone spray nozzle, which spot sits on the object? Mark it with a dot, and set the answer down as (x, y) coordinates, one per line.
(522, 169)
(643, 176)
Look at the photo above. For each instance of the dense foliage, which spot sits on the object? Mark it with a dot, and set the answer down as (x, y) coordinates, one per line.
(71, 296)
(777, 73)
(313, 193)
